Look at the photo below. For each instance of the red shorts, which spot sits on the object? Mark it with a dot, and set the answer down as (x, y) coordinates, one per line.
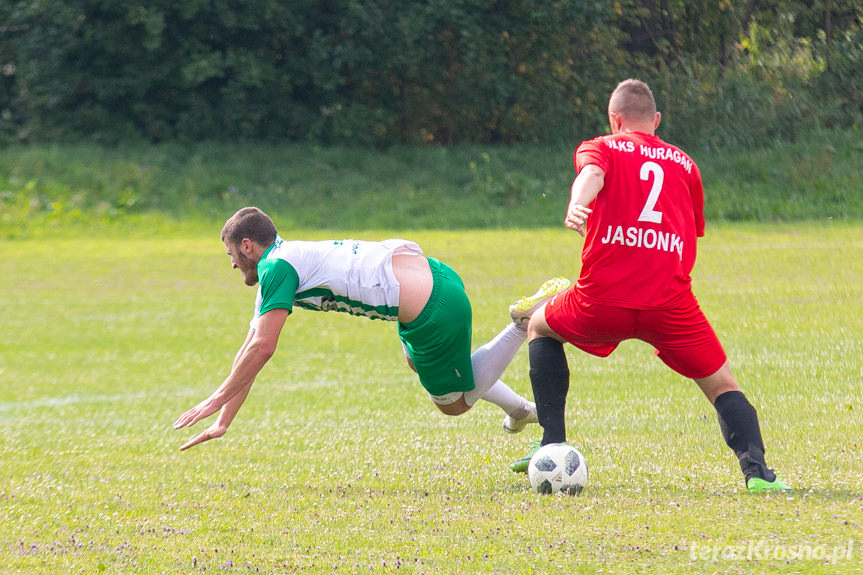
(682, 336)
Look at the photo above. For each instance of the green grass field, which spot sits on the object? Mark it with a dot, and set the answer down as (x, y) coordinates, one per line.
(338, 463)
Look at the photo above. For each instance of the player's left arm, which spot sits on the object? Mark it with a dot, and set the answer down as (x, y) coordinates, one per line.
(242, 350)
(230, 395)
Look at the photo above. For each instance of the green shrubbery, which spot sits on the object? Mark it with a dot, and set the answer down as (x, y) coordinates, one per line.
(376, 73)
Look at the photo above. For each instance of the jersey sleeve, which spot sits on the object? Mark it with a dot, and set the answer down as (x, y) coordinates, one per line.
(279, 282)
(592, 152)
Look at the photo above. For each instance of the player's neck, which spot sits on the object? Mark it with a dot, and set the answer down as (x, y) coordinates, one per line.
(637, 130)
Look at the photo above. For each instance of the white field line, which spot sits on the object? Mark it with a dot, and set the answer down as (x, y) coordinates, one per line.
(51, 402)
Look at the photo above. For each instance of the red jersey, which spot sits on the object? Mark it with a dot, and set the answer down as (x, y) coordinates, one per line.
(639, 246)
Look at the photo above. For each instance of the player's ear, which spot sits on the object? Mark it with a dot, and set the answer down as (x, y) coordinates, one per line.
(246, 245)
(614, 122)
(656, 119)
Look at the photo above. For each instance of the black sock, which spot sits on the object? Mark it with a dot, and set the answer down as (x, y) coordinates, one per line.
(738, 422)
(549, 378)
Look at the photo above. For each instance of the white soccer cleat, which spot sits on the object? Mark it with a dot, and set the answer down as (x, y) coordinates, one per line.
(521, 310)
(511, 425)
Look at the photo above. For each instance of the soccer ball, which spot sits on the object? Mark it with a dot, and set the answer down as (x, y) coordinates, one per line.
(557, 468)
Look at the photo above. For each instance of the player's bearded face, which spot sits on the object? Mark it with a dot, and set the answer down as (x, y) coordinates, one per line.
(245, 264)
(249, 269)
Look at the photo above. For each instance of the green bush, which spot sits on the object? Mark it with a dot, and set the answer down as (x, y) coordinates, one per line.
(377, 73)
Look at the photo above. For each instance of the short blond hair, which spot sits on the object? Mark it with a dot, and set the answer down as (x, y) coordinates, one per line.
(633, 100)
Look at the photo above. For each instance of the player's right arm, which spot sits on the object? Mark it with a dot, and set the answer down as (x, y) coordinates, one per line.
(232, 393)
(278, 284)
(585, 188)
(223, 421)
(229, 410)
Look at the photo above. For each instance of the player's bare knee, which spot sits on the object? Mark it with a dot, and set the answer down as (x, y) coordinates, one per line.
(718, 383)
(533, 330)
(538, 327)
(451, 403)
(453, 410)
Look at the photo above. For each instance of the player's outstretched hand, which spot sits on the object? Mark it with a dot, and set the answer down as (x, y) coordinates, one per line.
(196, 414)
(576, 216)
(214, 431)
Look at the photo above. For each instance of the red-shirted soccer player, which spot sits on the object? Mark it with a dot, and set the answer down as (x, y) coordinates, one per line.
(644, 199)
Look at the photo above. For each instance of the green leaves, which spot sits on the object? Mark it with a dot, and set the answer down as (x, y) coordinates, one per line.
(377, 73)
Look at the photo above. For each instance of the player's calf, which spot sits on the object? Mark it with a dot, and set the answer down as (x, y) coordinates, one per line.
(738, 422)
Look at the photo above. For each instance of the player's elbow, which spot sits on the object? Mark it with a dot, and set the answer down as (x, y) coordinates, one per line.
(593, 171)
(587, 184)
(264, 348)
(595, 176)
(268, 350)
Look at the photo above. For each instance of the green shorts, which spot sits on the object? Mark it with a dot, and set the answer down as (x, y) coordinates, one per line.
(438, 340)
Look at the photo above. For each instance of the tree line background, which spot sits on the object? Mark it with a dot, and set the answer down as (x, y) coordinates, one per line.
(377, 72)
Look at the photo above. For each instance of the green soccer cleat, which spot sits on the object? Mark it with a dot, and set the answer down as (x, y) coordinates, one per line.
(520, 464)
(758, 485)
(759, 477)
(521, 310)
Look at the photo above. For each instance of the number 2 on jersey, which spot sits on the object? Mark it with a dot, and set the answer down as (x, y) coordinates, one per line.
(648, 214)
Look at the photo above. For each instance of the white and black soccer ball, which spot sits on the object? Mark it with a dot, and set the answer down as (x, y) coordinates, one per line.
(557, 468)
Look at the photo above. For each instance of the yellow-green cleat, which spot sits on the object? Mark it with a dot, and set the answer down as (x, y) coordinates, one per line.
(521, 310)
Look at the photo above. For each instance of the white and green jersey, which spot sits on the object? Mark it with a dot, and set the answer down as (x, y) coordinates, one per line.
(351, 276)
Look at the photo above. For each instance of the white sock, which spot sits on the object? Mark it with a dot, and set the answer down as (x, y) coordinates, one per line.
(505, 398)
(489, 362)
